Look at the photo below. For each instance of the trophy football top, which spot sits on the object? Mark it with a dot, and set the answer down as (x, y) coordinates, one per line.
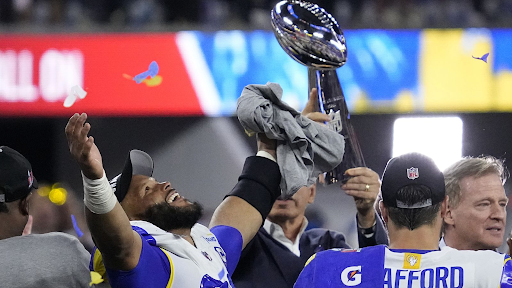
(309, 34)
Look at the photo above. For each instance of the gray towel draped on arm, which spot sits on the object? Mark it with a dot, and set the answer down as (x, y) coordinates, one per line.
(304, 148)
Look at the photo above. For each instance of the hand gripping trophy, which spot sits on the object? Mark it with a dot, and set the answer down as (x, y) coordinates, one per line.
(312, 37)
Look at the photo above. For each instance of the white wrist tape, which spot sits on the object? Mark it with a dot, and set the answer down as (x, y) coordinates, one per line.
(265, 154)
(99, 197)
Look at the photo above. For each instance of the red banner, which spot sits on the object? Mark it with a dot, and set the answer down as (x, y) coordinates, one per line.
(37, 73)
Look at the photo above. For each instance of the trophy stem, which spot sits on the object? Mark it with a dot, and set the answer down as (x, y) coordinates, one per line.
(332, 102)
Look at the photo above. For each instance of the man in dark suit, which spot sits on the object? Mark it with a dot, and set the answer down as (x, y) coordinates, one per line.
(278, 252)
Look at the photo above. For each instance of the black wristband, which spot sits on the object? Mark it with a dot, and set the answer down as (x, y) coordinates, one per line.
(259, 184)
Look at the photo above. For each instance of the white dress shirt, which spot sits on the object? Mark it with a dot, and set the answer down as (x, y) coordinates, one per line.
(278, 234)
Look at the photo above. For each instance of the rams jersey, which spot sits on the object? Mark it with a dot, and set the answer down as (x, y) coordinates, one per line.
(379, 266)
(179, 264)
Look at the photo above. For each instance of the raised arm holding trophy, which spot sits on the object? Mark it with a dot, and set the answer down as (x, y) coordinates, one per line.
(282, 245)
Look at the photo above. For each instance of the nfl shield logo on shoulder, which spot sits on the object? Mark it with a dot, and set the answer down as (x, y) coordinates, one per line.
(413, 173)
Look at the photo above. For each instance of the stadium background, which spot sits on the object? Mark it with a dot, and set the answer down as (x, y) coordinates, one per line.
(185, 119)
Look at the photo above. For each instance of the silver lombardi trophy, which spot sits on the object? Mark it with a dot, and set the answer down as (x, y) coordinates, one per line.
(312, 37)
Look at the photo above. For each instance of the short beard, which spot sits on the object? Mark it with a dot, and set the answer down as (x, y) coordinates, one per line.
(169, 218)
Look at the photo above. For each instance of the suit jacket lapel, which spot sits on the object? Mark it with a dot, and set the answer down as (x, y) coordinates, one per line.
(285, 260)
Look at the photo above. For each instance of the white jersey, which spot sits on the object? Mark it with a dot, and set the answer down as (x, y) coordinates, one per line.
(206, 258)
(445, 268)
(168, 260)
(379, 266)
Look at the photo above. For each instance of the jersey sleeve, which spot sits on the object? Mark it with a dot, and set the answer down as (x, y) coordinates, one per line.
(231, 241)
(506, 276)
(153, 261)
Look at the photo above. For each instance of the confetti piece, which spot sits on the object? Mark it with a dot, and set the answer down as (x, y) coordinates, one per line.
(76, 92)
(483, 58)
(79, 233)
(152, 72)
(70, 100)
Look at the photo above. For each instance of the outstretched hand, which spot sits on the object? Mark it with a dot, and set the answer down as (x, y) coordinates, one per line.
(82, 147)
(364, 186)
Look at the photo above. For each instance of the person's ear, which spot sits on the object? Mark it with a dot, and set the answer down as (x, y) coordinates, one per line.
(376, 204)
(447, 212)
(23, 206)
(312, 193)
(383, 212)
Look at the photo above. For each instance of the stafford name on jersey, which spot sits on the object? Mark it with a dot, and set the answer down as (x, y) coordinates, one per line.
(438, 277)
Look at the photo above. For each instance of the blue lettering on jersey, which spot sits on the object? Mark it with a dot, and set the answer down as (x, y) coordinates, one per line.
(424, 278)
(440, 277)
(222, 273)
(412, 277)
(460, 277)
(221, 253)
(209, 282)
(399, 277)
(210, 239)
